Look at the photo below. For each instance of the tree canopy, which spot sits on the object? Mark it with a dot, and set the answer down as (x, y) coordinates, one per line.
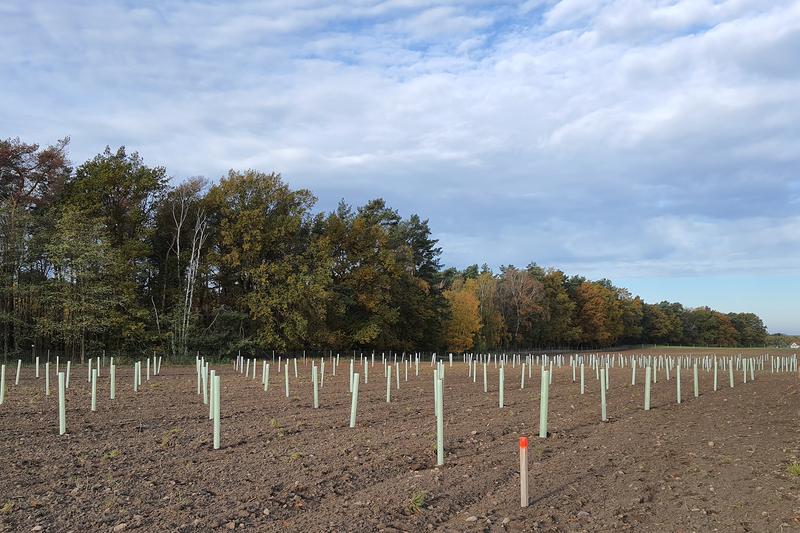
(113, 255)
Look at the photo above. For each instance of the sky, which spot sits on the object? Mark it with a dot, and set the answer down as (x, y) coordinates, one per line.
(656, 143)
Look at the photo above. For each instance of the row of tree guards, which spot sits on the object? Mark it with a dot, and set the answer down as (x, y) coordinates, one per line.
(601, 364)
(93, 367)
(209, 384)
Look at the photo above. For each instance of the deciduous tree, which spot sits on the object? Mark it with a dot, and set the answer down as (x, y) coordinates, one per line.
(464, 321)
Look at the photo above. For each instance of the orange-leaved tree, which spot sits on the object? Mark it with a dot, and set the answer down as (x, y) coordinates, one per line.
(464, 321)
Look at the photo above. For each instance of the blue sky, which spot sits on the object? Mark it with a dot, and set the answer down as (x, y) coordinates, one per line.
(653, 143)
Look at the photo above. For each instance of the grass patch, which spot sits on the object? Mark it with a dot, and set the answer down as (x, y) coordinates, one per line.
(7, 507)
(110, 456)
(417, 502)
(793, 469)
(167, 437)
(276, 425)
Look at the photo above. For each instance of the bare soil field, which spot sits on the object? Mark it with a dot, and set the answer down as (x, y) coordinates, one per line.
(144, 462)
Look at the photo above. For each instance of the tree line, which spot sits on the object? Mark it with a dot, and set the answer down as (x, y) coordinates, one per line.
(111, 255)
(780, 340)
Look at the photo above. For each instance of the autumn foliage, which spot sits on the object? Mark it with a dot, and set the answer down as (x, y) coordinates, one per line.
(112, 255)
(464, 321)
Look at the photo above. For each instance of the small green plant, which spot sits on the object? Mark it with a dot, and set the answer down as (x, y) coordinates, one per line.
(7, 507)
(276, 425)
(793, 469)
(295, 456)
(113, 454)
(537, 452)
(166, 437)
(417, 502)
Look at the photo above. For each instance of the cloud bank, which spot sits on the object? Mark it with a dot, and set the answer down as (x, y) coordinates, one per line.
(611, 138)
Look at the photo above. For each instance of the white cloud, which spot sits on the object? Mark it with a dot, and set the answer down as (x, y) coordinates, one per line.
(616, 137)
(568, 12)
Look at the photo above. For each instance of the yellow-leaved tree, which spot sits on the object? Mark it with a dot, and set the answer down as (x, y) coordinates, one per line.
(464, 321)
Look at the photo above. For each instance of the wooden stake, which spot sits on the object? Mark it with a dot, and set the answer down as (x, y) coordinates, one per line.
(523, 471)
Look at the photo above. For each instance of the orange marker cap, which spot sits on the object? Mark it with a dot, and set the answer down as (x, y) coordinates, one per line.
(523, 442)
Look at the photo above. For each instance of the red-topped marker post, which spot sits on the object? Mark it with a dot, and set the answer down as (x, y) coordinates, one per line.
(523, 471)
